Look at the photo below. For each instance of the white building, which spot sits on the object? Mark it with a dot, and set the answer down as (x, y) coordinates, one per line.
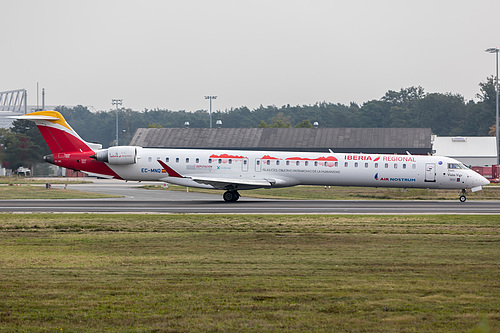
(470, 150)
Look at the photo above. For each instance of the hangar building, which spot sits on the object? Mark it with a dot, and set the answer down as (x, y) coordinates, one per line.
(354, 140)
(477, 151)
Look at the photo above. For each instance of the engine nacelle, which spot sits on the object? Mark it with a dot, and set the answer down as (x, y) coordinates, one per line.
(117, 155)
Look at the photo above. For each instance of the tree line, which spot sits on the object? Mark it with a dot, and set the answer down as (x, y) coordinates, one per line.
(447, 114)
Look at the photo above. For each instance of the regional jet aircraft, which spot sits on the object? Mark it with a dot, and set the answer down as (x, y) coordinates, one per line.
(237, 170)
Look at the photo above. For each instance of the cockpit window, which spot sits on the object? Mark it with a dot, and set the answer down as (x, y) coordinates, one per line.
(456, 166)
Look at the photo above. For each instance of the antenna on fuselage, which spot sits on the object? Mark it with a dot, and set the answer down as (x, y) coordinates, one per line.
(408, 153)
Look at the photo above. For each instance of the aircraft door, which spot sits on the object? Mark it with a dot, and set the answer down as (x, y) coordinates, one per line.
(244, 165)
(258, 164)
(430, 172)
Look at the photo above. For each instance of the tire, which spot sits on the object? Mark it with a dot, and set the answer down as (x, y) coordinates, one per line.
(229, 196)
(462, 198)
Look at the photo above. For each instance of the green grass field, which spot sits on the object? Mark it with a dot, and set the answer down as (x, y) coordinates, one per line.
(223, 273)
(40, 192)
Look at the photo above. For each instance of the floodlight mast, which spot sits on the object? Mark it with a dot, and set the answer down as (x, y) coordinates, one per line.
(210, 98)
(117, 102)
(495, 50)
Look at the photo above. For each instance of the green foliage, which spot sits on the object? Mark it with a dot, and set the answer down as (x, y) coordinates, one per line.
(22, 145)
(445, 113)
(304, 124)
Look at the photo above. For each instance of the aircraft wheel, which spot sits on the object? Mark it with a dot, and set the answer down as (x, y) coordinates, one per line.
(230, 196)
(462, 198)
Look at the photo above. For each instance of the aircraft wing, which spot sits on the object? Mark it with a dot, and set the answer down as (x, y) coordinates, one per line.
(223, 183)
(219, 183)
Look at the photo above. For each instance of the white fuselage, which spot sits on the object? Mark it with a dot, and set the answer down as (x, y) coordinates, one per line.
(283, 169)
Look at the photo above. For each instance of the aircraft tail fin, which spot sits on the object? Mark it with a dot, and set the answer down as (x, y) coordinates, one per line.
(58, 134)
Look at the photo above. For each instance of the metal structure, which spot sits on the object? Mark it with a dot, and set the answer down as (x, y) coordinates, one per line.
(210, 98)
(117, 102)
(495, 50)
(14, 100)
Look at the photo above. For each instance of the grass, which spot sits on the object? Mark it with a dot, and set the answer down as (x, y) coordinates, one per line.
(40, 192)
(352, 193)
(222, 273)
(23, 180)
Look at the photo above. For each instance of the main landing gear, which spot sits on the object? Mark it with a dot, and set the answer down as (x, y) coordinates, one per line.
(231, 196)
(462, 196)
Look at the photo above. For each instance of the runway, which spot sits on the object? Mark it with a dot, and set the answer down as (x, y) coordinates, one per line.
(138, 200)
(252, 207)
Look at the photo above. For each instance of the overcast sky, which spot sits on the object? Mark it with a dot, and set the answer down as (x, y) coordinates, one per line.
(170, 54)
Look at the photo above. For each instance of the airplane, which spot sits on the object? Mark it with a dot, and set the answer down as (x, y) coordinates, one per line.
(237, 170)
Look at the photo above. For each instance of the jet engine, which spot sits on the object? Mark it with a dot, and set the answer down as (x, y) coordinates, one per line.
(117, 155)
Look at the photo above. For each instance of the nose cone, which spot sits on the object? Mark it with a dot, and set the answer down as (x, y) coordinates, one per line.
(484, 181)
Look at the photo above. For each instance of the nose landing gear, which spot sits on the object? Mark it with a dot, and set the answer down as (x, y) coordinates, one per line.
(462, 196)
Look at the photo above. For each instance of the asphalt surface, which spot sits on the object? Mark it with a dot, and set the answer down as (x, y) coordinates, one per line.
(138, 200)
(252, 207)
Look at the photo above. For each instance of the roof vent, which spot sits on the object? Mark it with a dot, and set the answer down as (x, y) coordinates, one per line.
(459, 139)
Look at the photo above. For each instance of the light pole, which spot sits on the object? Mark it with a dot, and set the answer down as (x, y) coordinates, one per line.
(495, 50)
(117, 102)
(210, 98)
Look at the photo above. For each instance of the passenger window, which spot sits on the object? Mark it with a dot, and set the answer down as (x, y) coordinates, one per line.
(297, 163)
(413, 166)
(336, 164)
(220, 160)
(366, 165)
(176, 160)
(346, 164)
(230, 161)
(150, 159)
(306, 163)
(167, 159)
(315, 163)
(187, 160)
(277, 162)
(210, 160)
(158, 158)
(395, 165)
(386, 165)
(287, 162)
(376, 165)
(268, 162)
(356, 164)
(197, 160)
(404, 166)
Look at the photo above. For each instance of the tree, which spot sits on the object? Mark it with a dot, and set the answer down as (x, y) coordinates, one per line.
(493, 130)
(304, 124)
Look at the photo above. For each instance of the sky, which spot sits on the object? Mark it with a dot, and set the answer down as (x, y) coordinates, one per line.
(170, 54)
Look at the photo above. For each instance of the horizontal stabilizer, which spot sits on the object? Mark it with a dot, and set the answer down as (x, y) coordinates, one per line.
(34, 117)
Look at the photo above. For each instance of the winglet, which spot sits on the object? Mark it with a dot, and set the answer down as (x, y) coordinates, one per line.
(171, 172)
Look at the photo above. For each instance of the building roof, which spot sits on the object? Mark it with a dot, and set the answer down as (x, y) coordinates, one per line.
(367, 140)
(465, 146)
